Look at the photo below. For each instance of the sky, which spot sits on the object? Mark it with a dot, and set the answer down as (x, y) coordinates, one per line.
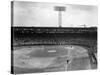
(39, 14)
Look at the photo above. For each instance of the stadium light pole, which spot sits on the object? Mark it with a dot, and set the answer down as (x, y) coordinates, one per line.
(60, 9)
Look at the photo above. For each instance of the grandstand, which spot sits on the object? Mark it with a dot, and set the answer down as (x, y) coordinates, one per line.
(43, 35)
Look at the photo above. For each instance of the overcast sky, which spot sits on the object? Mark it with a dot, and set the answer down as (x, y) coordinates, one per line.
(43, 14)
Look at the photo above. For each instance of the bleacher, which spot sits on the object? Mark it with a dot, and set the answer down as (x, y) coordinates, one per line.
(54, 41)
(43, 36)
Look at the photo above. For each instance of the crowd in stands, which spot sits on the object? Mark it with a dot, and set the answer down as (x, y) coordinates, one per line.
(53, 41)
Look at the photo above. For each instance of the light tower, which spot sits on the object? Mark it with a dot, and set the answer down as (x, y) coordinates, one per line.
(60, 9)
